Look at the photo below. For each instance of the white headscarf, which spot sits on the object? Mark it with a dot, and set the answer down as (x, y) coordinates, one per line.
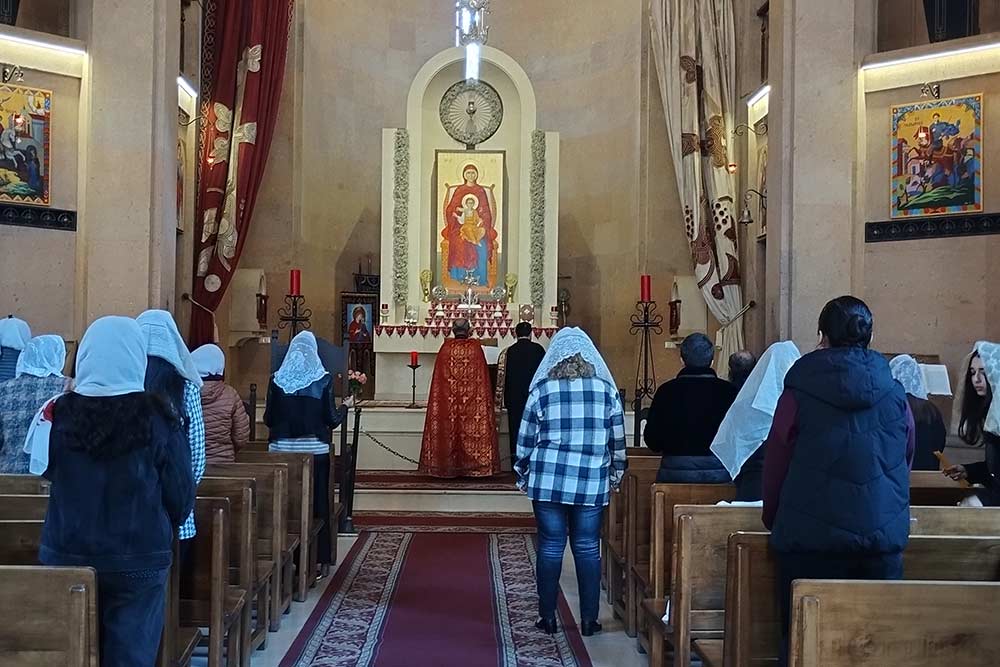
(163, 340)
(42, 357)
(209, 360)
(990, 354)
(746, 425)
(111, 361)
(302, 365)
(565, 344)
(14, 333)
(909, 374)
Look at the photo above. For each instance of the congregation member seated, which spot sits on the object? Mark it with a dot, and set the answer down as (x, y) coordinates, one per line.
(227, 424)
(740, 365)
(171, 374)
(979, 421)
(931, 432)
(39, 378)
(570, 454)
(120, 470)
(14, 335)
(685, 416)
(837, 468)
(739, 442)
(301, 417)
(460, 428)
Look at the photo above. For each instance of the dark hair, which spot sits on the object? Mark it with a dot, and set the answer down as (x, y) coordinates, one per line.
(523, 330)
(741, 364)
(163, 381)
(109, 427)
(697, 351)
(847, 322)
(974, 409)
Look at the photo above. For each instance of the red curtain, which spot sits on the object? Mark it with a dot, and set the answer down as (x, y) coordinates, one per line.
(243, 68)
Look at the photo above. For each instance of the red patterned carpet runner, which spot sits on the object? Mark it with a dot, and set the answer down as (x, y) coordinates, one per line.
(435, 600)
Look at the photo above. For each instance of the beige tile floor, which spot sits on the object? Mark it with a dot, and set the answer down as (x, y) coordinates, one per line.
(611, 648)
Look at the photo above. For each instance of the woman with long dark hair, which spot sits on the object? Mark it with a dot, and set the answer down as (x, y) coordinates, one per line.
(837, 468)
(172, 375)
(121, 480)
(979, 421)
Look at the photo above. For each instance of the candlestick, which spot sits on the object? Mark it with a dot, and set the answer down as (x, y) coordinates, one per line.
(413, 367)
(295, 282)
(645, 323)
(645, 288)
(414, 358)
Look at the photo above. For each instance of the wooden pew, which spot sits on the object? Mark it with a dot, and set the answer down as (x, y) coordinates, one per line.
(697, 582)
(635, 489)
(19, 541)
(48, 616)
(929, 487)
(24, 485)
(243, 571)
(178, 644)
(614, 533)
(753, 625)
(955, 521)
(272, 546)
(927, 624)
(207, 599)
(299, 519)
(20, 507)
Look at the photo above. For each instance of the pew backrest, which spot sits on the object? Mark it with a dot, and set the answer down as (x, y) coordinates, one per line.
(19, 507)
(930, 487)
(241, 494)
(48, 616)
(954, 520)
(952, 558)
(753, 617)
(299, 509)
(272, 497)
(19, 541)
(615, 518)
(635, 486)
(210, 552)
(24, 484)
(877, 623)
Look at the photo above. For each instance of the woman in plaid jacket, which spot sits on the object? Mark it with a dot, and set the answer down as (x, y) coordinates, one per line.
(570, 454)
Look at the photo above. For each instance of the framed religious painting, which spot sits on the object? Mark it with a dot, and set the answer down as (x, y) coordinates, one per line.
(937, 157)
(25, 128)
(470, 206)
(358, 310)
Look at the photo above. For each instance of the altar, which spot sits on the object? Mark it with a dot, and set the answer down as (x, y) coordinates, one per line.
(470, 211)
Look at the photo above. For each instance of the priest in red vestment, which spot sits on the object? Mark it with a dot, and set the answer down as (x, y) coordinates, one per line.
(460, 432)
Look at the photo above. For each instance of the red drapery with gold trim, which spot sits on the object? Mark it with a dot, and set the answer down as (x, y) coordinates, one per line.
(460, 431)
(243, 68)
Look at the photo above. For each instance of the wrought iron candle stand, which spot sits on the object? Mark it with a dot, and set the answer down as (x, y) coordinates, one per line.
(645, 323)
(413, 399)
(294, 314)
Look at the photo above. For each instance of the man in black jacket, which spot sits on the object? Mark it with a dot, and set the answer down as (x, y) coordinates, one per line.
(517, 366)
(685, 416)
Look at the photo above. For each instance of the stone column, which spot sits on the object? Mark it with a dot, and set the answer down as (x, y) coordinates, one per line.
(128, 139)
(815, 227)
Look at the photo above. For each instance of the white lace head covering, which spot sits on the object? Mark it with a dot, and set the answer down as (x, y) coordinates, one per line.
(163, 340)
(909, 374)
(209, 360)
(14, 333)
(990, 354)
(302, 365)
(42, 356)
(746, 425)
(565, 344)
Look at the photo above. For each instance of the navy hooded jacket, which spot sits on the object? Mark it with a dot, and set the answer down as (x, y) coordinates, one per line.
(847, 487)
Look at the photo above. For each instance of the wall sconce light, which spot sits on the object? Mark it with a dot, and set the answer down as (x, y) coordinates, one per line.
(743, 128)
(747, 218)
(931, 90)
(731, 167)
(10, 73)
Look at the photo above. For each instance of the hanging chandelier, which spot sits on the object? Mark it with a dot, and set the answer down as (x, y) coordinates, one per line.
(471, 32)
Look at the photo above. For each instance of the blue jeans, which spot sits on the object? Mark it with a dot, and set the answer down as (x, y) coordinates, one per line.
(131, 606)
(583, 525)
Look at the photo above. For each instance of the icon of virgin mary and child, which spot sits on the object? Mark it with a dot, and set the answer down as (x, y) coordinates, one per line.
(470, 229)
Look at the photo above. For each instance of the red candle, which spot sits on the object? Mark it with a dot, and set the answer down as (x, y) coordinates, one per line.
(414, 358)
(295, 282)
(645, 288)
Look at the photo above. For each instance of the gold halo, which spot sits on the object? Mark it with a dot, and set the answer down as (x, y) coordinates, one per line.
(474, 199)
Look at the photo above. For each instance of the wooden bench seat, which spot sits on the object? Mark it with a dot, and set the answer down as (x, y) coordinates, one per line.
(709, 651)
(930, 487)
(24, 485)
(48, 616)
(19, 541)
(23, 506)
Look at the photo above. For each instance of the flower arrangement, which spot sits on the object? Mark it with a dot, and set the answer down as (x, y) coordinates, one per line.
(355, 382)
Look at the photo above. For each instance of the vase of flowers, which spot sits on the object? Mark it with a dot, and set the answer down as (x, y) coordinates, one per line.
(355, 383)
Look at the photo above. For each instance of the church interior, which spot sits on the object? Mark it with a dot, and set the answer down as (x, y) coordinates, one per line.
(397, 178)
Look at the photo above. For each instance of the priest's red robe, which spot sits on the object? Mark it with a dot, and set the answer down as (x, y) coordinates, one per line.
(460, 431)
